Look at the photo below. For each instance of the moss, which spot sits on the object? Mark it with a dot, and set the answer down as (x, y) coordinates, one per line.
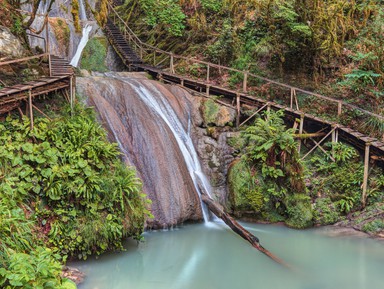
(75, 14)
(210, 111)
(299, 211)
(244, 192)
(374, 227)
(94, 55)
(325, 212)
(62, 32)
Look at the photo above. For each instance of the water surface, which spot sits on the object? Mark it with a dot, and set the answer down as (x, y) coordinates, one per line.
(201, 257)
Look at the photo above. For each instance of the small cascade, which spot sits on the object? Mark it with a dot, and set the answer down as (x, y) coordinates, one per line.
(83, 42)
(82, 13)
(158, 103)
(84, 39)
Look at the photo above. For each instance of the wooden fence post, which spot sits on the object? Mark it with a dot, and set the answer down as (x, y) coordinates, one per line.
(339, 105)
(172, 68)
(366, 172)
(301, 128)
(207, 90)
(30, 107)
(245, 81)
(237, 110)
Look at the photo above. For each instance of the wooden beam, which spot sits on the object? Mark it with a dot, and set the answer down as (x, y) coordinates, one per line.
(237, 110)
(260, 109)
(30, 108)
(318, 144)
(366, 172)
(301, 128)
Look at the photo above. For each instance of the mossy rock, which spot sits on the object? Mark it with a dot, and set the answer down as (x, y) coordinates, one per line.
(94, 55)
(325, 212)
(217, 115)
(244, 193)
(299, 211)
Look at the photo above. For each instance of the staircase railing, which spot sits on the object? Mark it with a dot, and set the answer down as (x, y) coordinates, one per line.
(296, 98)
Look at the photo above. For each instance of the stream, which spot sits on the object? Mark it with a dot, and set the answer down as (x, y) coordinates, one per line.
(212, 257)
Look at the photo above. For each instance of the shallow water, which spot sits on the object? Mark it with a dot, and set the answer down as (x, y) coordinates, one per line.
(201, 257)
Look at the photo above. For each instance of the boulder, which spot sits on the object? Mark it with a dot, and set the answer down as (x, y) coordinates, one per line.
(10, 45)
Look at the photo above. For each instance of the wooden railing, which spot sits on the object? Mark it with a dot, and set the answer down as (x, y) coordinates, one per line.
(296, 98)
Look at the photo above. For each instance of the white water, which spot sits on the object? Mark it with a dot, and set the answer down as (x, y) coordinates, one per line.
(83, 14)
(83, 42)
(162, 107)
(84, 39)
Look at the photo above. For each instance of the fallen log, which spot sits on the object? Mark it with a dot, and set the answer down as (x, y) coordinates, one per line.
(218, 210)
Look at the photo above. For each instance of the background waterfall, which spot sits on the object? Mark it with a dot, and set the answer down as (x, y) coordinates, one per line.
(84, 39)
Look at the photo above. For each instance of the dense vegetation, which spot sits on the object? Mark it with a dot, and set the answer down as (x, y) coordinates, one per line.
(334, 47)
(271, 183)
(64, 193)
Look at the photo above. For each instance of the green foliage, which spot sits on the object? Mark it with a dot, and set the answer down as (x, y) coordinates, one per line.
(94, 55)
(210, 111)
(212, 5)
(269, 178)
(166, 13)
(339, 180)
(222, 50)
(299, 211)
(325, 212)
(39, 269)
(374, 226)
(85, 199)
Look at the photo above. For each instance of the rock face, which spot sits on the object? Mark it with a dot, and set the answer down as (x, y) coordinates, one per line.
(147, 143)
(10, 45)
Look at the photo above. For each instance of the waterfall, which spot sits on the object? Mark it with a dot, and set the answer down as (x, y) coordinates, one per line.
(83, 42)
(83, 14)
(85, 36)
(160, 105)
(152, 125)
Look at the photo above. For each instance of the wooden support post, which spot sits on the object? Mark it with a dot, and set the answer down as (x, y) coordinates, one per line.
(333, 142)
(172, 68)
(268, 107)
(30, 107)
(339, 105)
(208, 72)
(47, 36)
(366, 172)
(182, 82)
(291, 104)
(207, 90)
(237, 110)
(50, 65)
(301, 128)
(245, 81)
(337, 134)
(71, 92)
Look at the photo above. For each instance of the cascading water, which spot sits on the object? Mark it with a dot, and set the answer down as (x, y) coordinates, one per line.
(84, 40)
(161, 106)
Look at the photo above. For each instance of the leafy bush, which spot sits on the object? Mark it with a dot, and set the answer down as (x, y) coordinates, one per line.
(85, 199)
(269, 178)
(166, 13)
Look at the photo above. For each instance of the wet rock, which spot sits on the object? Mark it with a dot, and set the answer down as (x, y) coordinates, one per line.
(73, 274)
(10, 45)
(147, 143)
(215, 114)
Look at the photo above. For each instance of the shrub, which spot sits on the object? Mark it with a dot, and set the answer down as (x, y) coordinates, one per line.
(325, 212)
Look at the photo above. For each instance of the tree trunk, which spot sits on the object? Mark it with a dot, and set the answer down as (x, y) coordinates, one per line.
(218, 210)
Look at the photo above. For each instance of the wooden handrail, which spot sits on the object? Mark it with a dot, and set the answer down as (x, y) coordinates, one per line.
(23, 59)
(142, 46)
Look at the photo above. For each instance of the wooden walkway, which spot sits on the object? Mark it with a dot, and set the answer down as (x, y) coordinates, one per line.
(61, 77)
(132, 52)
